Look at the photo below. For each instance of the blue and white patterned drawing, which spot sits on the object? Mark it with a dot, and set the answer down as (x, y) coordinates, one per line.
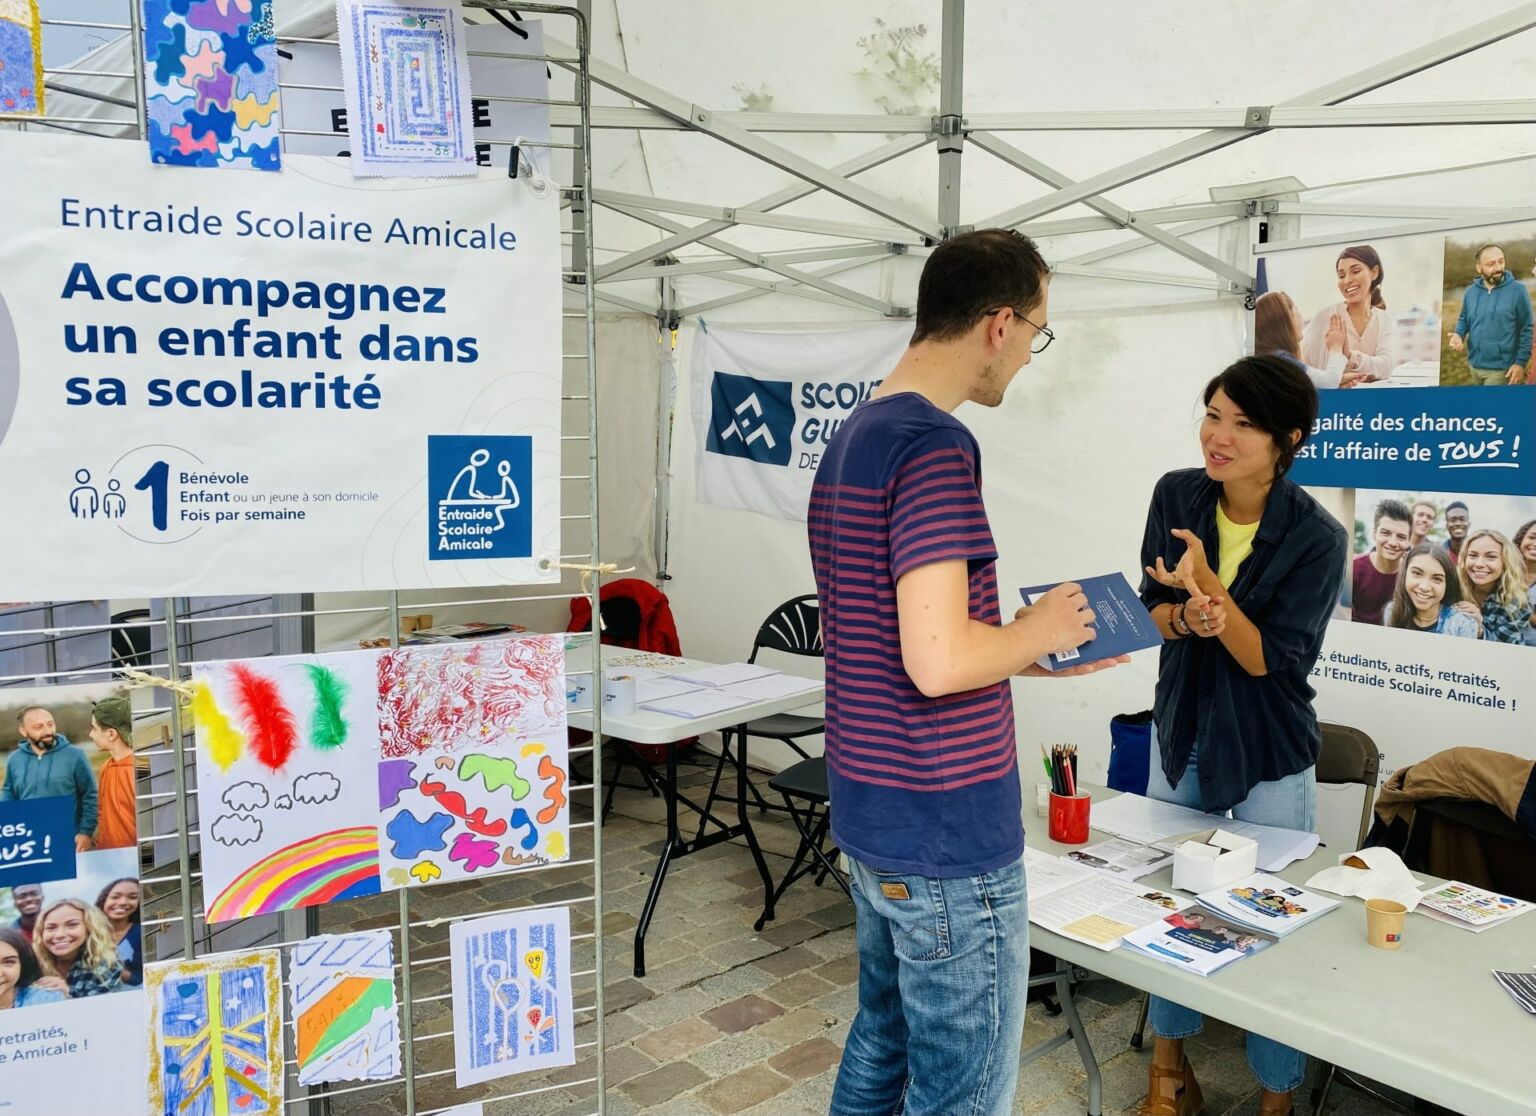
(511, 994)
(346, 1021)
(405, 70)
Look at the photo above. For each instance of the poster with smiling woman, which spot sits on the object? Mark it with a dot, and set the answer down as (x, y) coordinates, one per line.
(71, 946)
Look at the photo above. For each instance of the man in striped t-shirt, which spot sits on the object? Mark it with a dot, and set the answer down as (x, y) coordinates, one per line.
(921, 755)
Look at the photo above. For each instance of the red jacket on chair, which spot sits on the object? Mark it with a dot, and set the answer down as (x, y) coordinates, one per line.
(635, 615)
(653, 629)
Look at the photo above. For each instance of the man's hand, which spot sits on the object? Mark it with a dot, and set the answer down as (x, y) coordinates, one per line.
(1516, 374)
(82, 842)
(1035, 670)
(1060, 617)
(1456, 343)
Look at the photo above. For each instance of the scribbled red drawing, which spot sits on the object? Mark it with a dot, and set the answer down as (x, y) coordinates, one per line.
(555, 792)
(461, 697)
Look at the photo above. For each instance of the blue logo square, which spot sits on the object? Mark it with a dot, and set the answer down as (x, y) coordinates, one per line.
(751, 418)
(479, 496)
(37, 840)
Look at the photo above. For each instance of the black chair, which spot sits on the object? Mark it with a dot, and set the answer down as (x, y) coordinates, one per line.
(794, 628)
(803, 786)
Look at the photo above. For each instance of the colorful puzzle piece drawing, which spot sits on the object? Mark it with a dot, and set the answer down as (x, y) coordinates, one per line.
(554, 846)
(210, 65)
(532, 750)
(412, 838)
(476, 821)
(426, 871)
(497, 772)
(399, 877)
(473, 853)
(395, 778)
(443, 763)
(555, 792)
(520, 818)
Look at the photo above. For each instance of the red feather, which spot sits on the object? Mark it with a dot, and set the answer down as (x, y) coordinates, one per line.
(269, 724)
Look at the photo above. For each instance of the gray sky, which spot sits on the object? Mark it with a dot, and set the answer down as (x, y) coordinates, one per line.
(62, 45)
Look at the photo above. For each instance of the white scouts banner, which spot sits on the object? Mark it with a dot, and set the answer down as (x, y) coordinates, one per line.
(301, 383)
(765, 406)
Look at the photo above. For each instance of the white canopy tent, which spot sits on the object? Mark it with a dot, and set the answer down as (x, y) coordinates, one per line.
(788, 164)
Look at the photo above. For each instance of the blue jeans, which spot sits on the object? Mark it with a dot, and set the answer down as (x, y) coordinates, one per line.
(943, 977)
(1290, 803)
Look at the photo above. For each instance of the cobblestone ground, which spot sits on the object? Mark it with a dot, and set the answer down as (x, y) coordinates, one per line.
(726, 1020)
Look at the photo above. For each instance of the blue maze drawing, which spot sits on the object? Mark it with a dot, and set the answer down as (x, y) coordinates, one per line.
(513, 1014)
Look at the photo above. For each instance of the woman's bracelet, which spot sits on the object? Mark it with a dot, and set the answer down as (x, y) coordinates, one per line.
(1176, 622)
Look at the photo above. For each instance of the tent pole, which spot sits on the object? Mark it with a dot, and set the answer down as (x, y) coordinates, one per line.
(950, 123)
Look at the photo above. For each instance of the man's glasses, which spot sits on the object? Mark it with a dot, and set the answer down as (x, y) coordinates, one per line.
(1043, 334)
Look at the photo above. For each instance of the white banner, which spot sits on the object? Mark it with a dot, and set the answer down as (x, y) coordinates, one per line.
(765, 406)
(220, 384)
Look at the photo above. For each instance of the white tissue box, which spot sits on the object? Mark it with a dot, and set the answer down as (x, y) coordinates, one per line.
(578, 692)
(1212, 858)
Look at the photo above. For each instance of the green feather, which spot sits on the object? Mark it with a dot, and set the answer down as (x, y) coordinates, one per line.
(328, 724)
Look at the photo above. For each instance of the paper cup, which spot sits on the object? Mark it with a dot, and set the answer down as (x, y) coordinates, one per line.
(619, 694)
(1384, 923)
(1068, 822)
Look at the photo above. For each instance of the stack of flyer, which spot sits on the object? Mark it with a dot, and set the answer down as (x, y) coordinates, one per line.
(1266, 903)
(1089, 906)
(1470, 908)
(1198, 941)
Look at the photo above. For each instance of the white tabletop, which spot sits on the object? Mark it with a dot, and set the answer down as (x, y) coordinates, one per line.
(1428, 1019)
(646, 727)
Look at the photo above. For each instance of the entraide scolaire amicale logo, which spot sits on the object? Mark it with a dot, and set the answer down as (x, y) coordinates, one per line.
(479, 496)
(751, 418)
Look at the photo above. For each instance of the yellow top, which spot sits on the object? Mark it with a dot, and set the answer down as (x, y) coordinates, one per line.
(1234, 543)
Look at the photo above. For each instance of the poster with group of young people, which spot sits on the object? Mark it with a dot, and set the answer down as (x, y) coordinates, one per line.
(1421, 348)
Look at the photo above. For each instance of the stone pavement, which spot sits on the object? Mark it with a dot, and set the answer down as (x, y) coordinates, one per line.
(727, 1021)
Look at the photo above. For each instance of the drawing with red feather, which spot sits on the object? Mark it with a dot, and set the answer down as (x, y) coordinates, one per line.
(287, 754)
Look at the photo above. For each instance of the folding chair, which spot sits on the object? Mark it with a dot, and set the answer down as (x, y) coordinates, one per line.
(794, 628)
(806, 783)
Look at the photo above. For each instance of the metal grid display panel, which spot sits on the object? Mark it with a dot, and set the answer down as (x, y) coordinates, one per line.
(182, 631)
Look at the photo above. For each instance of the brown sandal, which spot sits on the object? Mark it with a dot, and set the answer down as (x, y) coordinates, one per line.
(1187, 1099)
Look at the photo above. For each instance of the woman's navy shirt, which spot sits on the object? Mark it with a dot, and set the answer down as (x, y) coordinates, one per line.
(1248, 729)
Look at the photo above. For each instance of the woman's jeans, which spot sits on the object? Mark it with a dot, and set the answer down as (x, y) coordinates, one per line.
(943, 978)
(1290, 803)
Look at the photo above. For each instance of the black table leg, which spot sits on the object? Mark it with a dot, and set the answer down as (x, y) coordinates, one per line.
(745, 824)
(669, 792)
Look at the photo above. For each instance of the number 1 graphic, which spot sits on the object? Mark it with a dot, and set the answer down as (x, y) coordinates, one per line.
(157, 481)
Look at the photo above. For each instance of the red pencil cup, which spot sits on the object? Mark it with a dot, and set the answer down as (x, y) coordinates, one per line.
(1069, 818)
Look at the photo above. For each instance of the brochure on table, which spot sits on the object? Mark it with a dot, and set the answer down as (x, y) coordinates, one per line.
(1470, 908)
(1118, 857)
(1099, 910)
(1267, 903)
(1197, 941)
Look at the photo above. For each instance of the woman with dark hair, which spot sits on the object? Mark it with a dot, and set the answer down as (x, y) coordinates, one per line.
(1493, 578)
(20, 973)
(119, 902)
(1370, 344)
(1277, 327)
(1525, 543)
(1242, 612)
(1427, 597)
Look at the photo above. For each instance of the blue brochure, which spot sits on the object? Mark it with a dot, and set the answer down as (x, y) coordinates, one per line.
(1121, 620)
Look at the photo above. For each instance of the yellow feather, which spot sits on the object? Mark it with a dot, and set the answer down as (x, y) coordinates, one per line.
(222, 738)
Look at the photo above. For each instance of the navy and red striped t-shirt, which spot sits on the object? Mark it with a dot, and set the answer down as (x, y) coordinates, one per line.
(921, 785)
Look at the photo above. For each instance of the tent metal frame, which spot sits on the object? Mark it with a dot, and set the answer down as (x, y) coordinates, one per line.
(893, 228)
